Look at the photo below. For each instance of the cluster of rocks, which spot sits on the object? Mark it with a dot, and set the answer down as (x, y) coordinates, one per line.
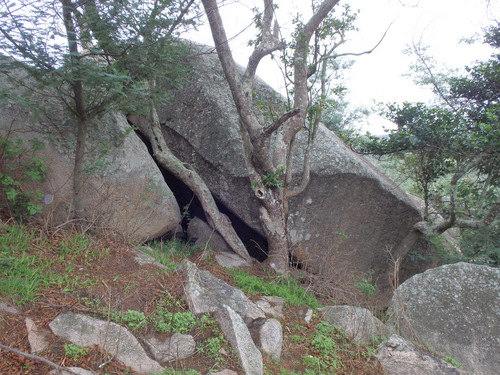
(126, 190)
(453, 310)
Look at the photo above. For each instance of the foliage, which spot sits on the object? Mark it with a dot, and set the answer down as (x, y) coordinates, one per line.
(285, 287)
(133, 319)
(452, 361)
(325, 349)
(18, 168)
(366, 285)
(452, 150)
(75, 352)
(272, 179)
(91, 57)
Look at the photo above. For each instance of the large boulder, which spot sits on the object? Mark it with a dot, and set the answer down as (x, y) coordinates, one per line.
(350, 213)
(455, 309)
(123, 188)
(400, 357)
(358, 322)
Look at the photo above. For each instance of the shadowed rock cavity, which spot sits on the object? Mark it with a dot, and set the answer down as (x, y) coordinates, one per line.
(190, 206)
(349, 216)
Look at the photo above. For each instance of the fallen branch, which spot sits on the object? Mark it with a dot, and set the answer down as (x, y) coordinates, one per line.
(37, 358)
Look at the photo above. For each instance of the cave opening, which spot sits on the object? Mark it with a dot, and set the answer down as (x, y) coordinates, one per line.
(190, 206)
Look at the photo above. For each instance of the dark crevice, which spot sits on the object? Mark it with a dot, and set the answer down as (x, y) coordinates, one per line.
(190, 206)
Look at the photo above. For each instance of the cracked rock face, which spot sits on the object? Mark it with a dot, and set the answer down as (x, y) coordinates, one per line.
(347, 194)
(400, 357)
(455, 309)
(205, 294)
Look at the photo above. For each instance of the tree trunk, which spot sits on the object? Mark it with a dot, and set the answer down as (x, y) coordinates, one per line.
(80, 108)
(165, 157)
(406, 244)
(262, 156)
(273, 219)
(81, 141)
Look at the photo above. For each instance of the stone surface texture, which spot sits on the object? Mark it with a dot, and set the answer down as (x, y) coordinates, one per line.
(272, 305)
(238, 335)
(455, 309)
(201, 235)
(400, 357)
(123, 188)
(177, 346)
(359, 323)
(347, 194)
(205, 293)
(85, 331)
(73, 371)
(230, 260)
(268, 336)
(37, 337)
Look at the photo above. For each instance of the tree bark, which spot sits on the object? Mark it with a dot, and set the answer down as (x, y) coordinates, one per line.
(263, 157)
(80, 109)
(165, 157)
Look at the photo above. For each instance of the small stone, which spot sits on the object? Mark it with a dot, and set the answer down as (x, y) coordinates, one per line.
(177, 346)
(9, 309)
(309, 315)
(36, 337)
(272, 305)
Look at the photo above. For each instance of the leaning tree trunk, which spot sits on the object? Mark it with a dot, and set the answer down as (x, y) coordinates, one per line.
(164, 156)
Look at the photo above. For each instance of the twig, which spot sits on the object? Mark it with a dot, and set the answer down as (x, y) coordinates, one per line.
(37, 358)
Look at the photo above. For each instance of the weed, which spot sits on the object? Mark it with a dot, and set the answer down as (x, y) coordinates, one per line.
(452, 361)
(365, 284)
(287, 288)
(165, 321)
(75, 352)
(212, 348)
(133, 319)
(169, 253)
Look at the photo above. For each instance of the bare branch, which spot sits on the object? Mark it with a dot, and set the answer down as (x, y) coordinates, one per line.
(370, 50)
(281, 120)
(36, 358)
(268, 44)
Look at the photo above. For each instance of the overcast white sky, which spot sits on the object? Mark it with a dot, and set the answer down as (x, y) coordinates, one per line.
(378, 77)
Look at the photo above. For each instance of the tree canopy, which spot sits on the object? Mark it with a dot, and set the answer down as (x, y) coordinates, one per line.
(452, 150)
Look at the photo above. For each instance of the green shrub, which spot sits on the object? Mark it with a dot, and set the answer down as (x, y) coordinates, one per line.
(18, 168)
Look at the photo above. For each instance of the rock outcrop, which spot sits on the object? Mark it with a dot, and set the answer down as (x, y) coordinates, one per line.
(346, 195)
(400, 357)
(359, 323)
(239, 337)
(455, 309)
(123, 188)
(206, 294)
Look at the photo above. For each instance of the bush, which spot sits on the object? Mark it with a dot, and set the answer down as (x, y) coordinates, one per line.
(18, 168)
